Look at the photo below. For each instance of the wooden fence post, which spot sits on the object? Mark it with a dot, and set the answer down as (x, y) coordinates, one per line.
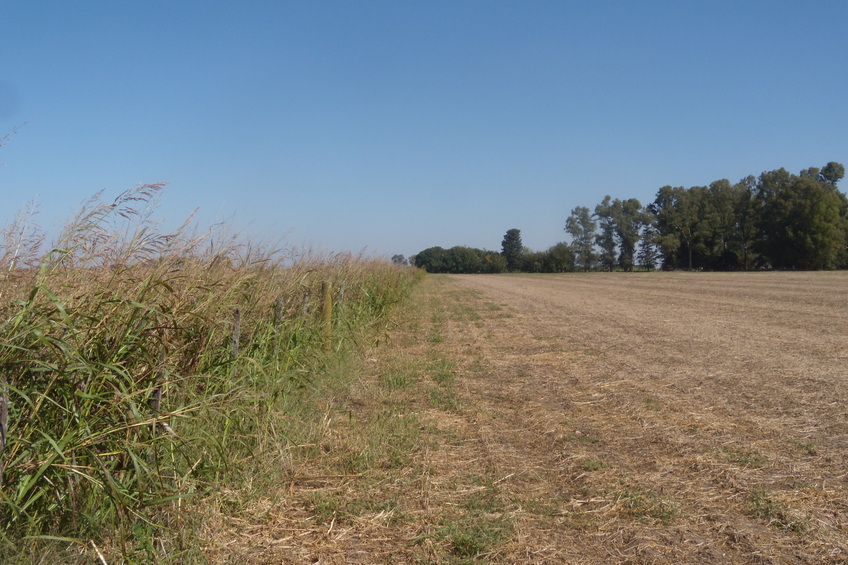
(327, 290)
(278, 313)
(4, 422)
(155, 402)
(234, 338)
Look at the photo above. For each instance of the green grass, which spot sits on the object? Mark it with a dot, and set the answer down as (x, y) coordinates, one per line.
(744, 457)
(806, 446)
(763, 505)
(400, 375)
(436, 336)
(441, 369)
(467, 539)
(646, 505)
(593, 465)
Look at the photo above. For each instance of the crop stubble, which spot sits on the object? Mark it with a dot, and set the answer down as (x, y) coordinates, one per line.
(666, 417)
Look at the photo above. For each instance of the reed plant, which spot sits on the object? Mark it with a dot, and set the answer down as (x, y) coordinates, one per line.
(139, 367)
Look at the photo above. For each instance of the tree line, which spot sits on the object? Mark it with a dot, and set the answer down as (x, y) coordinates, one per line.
(778, 220)
(514, 257)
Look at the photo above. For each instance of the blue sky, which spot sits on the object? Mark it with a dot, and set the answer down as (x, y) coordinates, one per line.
(393, 126)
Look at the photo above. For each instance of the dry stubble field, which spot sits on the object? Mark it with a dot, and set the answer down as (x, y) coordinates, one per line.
(582, 418)
(669, 417)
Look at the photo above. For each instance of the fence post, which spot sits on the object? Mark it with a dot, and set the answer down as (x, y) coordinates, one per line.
(278, 313)
(234, 338)
(327, 290)
(4, 422)
(155, 401)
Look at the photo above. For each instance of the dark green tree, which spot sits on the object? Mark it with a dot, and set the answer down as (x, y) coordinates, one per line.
(648, 254)
(628, 217)
(803, 222)
(747, 213)
(581, 227)
(606, 238)
(718, 225)
(493, 262)
(460, 259)
(512, 249)
(832, 173)
(677, 212)
(559, 259)
(532, 261)
(432, 260)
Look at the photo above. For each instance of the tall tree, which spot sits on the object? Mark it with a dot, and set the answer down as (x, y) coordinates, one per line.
(606, 238)
(717, 224)
(747, 214)
(678, 217)
(628, 218)
(648, 254)
(581, 227)
(512, 249)
(803, 221)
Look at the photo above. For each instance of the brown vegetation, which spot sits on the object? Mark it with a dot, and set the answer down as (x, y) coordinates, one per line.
(598, 418)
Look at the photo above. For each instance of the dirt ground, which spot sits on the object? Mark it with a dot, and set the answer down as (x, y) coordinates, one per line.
(671, 417)
(589, 418)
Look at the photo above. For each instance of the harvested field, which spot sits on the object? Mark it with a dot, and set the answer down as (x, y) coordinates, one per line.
(597, 418)
(670, 417)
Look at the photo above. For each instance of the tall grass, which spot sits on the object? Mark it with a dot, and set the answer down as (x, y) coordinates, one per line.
(138, 368)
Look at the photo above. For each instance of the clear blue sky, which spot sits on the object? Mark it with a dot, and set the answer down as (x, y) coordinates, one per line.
(393, 126)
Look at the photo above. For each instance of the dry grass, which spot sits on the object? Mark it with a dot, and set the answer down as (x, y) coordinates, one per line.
(585, 419)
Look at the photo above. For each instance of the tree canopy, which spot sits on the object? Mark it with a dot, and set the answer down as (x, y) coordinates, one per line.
(778, 220)
(581, 227)
(512, 249)
(460, 259)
